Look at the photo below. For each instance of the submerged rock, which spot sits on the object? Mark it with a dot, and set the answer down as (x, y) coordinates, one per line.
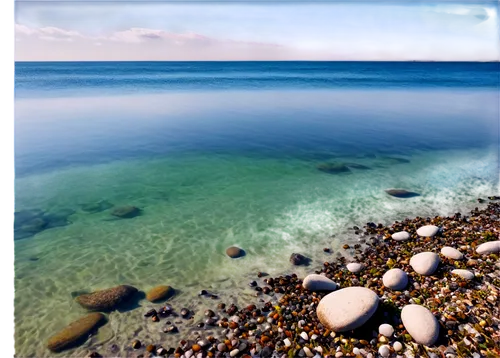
(106, 300)
(347, 309)
(357, 166)
(96, 207)
(401, 193)
(28, 223)
(333, 168)
(126, 212)
(396, 160)
(299, 259)
(75, 333)
(159, 293)
(234, 252)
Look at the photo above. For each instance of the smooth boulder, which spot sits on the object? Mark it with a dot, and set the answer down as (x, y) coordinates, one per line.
(347, 309)
(315, 282)
(401, 236)
(299, 259)
(465, 274)
(75, 333)
(333, 168)
(491, 247)
(428, 231)
(355, 267)
(401, 193)
(421, 324)
(106, 300)
(395, 279)
(425, 263)
(126, 212)
(159, 293)
(451, 253)
(234, 252)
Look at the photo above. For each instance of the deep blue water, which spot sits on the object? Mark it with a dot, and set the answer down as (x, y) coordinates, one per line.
(50, 79)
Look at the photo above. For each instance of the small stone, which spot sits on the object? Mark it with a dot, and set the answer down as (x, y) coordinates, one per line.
(221, 347)
(428, 231)
(314, 282)
(386, 330)
(397, 346)
(234, 252)
(159, 293)
(308, 352)
(304, 336)
(400, 236)
(196, 348)
(151, 313)
(420, 324)
(451, 253)
(384, 351)
(465, 274)
(299, 259)
(136, 344)
(491, 247)
(395, 279)
(234, 353)
(184, 312)
(287, 342)
(355, 267)
(425, 263)
(150, 348)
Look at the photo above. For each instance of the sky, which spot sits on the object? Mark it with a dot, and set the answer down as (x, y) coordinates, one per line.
(205, 31)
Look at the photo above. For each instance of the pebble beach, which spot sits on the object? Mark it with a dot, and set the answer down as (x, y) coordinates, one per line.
(421, 287)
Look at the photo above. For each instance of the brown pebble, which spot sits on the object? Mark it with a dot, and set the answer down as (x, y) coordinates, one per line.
(150, 348)
(196, 348)
(155, 319)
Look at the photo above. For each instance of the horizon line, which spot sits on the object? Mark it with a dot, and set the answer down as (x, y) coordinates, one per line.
(409, 61)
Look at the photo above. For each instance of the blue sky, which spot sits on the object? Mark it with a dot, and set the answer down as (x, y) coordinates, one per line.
(260, 31)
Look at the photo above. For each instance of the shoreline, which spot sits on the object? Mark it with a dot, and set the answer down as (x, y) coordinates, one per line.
(286, 324)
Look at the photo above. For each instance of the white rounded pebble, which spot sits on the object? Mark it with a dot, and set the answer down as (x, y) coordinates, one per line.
(428, 231)
(451, 253)
(386, 330)
(420, 323)
(304, 336)
(397, 346)
(425, 263)
(339, 354)
(355, 267)
(287, 342)
(465, 274)
(308, 352)
(318, 349)
(384, 351)
(487, 248)
(355, 350)
(316, 282)
(189, 353)
(401, 236)
(395, 279)
(347, 309)
(234, 352)
(313, 337)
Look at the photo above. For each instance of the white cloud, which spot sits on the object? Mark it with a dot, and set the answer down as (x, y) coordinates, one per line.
(132, 35)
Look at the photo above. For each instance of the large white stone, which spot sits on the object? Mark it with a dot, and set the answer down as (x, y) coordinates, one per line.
(465, 274)
(420, 324)
(395, 279)
(347, 309)
(425, 263)
(401, 236)
(316, 282)
(491, 247)
(427, 231)
(355, 267)
(451, 253)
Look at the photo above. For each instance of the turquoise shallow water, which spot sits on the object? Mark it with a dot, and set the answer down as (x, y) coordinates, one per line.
(211, 169)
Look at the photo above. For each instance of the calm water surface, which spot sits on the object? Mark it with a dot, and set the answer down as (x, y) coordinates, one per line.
(220, 154)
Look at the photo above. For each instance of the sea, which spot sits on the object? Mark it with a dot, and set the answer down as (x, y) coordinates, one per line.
(220, 154)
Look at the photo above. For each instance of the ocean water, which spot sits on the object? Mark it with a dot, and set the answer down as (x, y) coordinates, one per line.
(221, 154)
